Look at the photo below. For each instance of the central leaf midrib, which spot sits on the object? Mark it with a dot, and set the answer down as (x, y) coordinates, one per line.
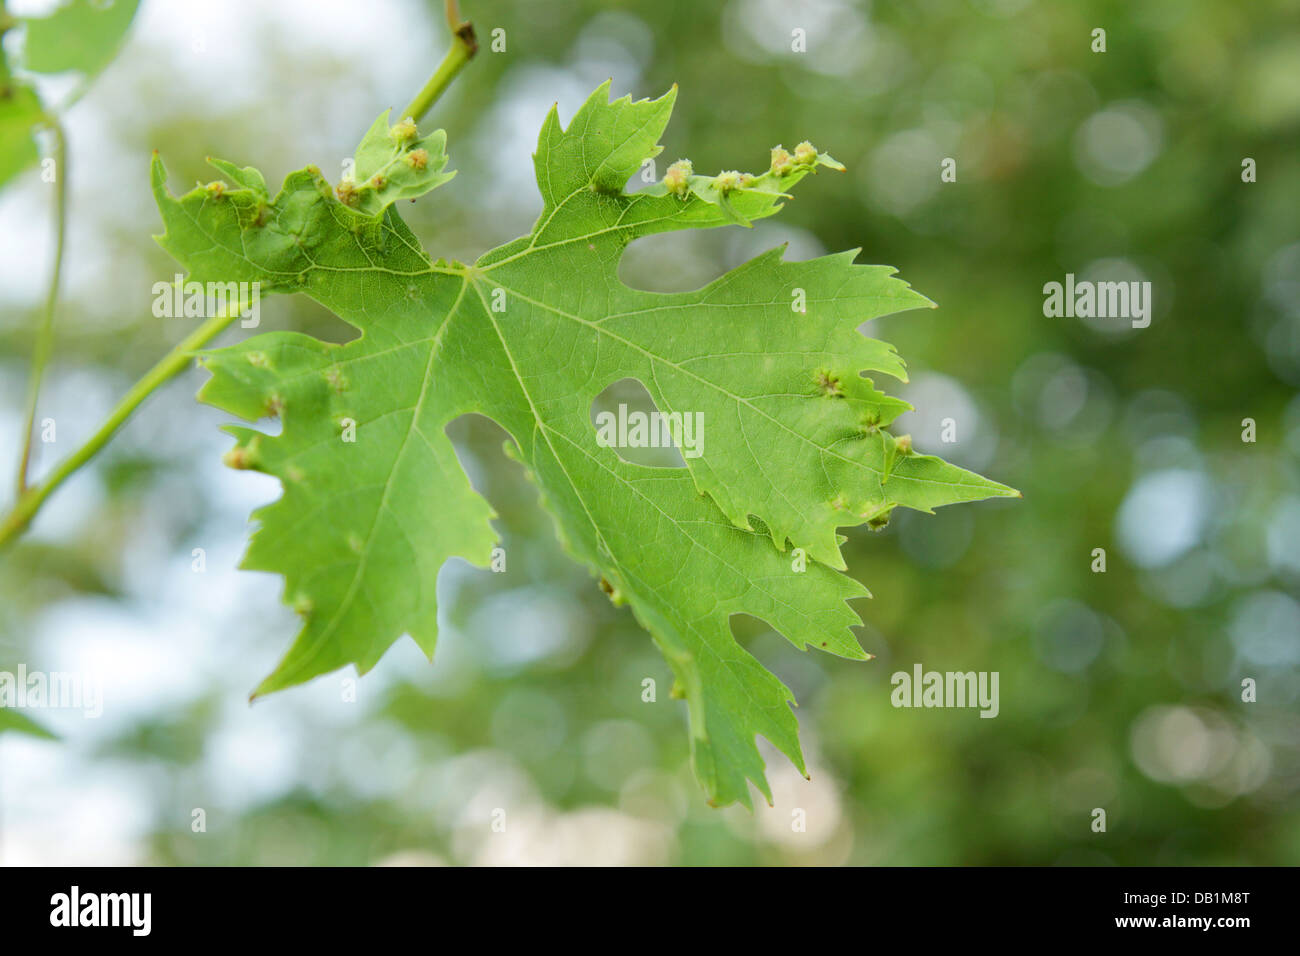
(364, 554)
(702, 640)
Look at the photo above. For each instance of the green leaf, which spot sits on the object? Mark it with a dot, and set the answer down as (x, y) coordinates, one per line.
(19, 723)
(529, 336)
(81, 35)
(392, 164)
(20, 114)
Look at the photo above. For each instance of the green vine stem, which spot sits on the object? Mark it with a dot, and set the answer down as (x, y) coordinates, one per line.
(45, 332)
(32, 497)
(30, 501)
(463, 47)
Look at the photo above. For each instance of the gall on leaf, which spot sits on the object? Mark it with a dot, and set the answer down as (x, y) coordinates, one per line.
(794, 428)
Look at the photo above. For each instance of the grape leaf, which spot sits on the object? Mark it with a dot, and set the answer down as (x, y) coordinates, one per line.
(81, 36)
(529, 335)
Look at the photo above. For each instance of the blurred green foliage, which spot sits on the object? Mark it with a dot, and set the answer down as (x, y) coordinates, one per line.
(1120, 690)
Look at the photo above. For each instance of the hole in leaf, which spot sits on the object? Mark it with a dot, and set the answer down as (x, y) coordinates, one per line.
(673, 261)
(627, 420)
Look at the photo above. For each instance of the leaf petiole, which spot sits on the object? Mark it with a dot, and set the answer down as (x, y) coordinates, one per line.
(463, 47)
(45, 332)
(175, 361)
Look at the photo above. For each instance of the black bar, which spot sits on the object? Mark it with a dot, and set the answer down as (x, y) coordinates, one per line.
(258, 906)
